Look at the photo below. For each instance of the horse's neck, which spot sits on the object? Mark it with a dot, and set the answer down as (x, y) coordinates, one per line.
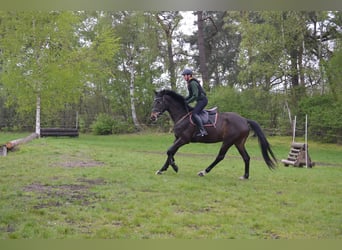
(177, 117)
(177, 112)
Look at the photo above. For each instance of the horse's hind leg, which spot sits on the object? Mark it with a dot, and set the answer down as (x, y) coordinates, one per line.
(243, 152)
(222, 153)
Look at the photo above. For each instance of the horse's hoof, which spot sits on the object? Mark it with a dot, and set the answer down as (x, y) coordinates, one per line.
(202, 173)
(159, 172)
(243, 178)
(175, 169)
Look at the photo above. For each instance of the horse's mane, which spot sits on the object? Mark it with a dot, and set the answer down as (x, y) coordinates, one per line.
(177, 97)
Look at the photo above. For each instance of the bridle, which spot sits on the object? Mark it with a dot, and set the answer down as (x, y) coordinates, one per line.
(156, 112)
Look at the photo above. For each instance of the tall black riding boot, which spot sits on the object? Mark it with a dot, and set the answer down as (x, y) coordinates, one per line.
(198, 121)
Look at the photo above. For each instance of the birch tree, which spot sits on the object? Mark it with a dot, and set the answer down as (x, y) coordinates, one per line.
(134, 69)
(38, 50)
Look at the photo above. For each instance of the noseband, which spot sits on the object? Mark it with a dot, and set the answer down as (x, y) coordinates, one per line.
(156, 112)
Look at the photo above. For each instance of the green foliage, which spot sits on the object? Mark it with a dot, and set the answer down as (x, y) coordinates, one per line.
(43, 56)
(105, 125)
(226, 98)
(37, 52)
(121, 126)
(261, 49)
(333, 69)
(102, 125)
(256, 104)
(109, 62)
(140, 50)
(324, 119)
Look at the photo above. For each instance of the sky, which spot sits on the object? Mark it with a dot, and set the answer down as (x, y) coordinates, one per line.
(187, 24)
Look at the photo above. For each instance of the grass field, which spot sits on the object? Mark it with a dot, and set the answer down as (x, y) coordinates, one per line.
(105, 187)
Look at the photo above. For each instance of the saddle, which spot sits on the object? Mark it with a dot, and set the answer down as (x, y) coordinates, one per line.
(208, 117)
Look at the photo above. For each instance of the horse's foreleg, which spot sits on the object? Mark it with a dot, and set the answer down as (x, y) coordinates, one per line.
(170, 157)
(173, 164)
(165, 166)
(169, 161)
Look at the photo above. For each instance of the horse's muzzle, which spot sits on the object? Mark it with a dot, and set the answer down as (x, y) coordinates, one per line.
(154, 116)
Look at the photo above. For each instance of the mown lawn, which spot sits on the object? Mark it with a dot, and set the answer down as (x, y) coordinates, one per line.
(106, 187)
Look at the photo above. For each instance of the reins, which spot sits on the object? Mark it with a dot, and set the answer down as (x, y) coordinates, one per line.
(181, 119)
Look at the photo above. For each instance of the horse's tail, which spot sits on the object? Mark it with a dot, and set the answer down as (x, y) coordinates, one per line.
(266, 150)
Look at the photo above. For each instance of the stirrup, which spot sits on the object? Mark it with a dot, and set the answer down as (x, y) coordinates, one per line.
(202, 133)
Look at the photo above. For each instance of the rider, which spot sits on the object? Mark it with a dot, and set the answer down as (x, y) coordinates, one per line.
(196, 93)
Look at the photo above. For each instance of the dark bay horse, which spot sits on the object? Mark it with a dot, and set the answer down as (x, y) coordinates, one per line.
(230, 129)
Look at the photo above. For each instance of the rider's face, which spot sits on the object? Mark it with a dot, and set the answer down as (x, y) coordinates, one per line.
(186, 77)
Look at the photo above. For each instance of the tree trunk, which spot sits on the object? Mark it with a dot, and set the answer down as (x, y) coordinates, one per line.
(300, 64)
(201, 48)
(131, 93)
(171, 63)
(294, 68)
(38, 115)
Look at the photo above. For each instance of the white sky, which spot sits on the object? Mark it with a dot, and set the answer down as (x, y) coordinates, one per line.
(187, 24)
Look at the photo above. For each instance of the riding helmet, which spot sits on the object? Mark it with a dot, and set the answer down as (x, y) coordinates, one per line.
(187, 72)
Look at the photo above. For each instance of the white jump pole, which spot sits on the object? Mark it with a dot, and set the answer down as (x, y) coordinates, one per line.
(294, 129)
(76, 119)
(306, 141)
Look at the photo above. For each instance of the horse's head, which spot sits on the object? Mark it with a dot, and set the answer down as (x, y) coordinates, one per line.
(158, 107)
(168, 100)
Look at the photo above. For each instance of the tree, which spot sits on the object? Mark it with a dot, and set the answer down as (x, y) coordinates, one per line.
(60, 59)
(169, 21)
(333, 70)
(202, 51)
(221, 41)
(100, 44)
(39, 54)
(261, 50)
(135, 64)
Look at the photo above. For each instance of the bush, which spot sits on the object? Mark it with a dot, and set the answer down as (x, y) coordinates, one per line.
(103, 125)
(325, 123)
(256, 104)
(120, 127)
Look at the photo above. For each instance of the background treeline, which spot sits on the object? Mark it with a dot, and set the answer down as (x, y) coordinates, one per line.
(100, 68)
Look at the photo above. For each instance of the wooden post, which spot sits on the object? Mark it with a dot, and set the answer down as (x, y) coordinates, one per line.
(294, 129)
(76, 120)
(38, 116)
(3, 150)
(306, 141)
